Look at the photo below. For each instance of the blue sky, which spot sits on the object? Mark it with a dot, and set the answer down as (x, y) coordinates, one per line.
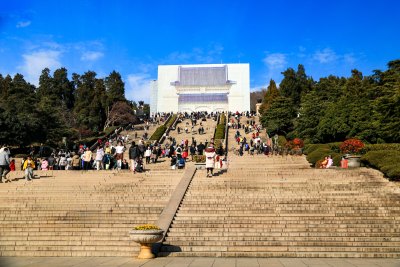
(133, 37)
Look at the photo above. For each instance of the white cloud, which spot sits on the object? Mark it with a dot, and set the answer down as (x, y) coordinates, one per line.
(197, 55)
(23, 24)
(138, 87)
(91, 56)
(325, 56)
(35, 62)
(275, 61)
(349, 59)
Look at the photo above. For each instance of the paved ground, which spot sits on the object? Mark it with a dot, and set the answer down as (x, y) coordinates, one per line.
(192, 262)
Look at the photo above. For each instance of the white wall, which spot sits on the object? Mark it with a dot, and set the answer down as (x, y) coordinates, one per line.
(153, 97)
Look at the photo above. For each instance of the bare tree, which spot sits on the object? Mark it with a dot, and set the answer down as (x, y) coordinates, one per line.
(120, 113)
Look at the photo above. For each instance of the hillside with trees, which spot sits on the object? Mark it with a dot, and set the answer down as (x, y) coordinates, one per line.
(335, 108)
(59, 107)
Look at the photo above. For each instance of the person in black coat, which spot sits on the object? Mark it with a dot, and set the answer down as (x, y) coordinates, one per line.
(134, 154)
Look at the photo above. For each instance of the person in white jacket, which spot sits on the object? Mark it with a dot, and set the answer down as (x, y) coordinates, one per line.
(99, 158)
(210, 159)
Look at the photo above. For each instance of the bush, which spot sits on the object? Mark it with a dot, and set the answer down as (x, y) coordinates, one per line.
(387, 161)
(318, 154)
(158, 132)
(375, 147)
(336, 159)
(220, 132)
(312, 147)
(170, 121)
(109, 130)
(282, 141)
(351, 146)
(335, 147)
(222, 119)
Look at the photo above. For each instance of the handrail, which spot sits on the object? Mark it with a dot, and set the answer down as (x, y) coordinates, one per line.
(168, 214)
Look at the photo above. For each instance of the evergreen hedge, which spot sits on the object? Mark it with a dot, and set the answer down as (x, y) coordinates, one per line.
(161, 129)
(387, 161)
(316, 152)
(220, 132)
(158, 133)
(375, 147)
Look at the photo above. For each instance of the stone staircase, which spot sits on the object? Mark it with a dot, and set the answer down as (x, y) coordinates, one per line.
(74, 213)
(279, 207)
(261, 207)
(209, 126)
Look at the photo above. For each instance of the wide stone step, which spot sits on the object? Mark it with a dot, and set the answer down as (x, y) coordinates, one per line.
(291, 248)
(347, 239)
(280, 254)
(288, 244)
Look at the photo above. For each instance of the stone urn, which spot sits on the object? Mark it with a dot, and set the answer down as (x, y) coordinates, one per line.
(353, 161)
(146, 238)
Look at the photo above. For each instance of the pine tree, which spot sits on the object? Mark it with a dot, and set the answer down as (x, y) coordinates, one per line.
(115, 88)
(269, 97)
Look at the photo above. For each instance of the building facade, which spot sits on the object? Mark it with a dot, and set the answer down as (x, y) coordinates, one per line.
(205, 87)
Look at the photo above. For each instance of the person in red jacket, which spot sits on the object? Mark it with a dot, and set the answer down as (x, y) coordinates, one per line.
(12, 165)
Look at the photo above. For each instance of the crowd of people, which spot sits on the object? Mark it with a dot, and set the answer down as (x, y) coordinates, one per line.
(252, 144)
(108, 154)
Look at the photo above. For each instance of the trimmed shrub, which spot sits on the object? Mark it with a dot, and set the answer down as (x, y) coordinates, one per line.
(318, 154)
(222, 119)
(336, 158)
(220, 129)
(282, 141)
(158, 132)
(161, 129)
(375, 147)
(312, 147)
(387, 161)
(335, 147)
(170, 121)
(220, 132)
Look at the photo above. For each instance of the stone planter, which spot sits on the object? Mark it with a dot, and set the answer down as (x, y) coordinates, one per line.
(354, 161)
(146, 238)
(200, 166)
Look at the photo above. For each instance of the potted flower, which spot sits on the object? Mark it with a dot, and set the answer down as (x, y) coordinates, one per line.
(199, 161)
(146, 235)
(352, 148)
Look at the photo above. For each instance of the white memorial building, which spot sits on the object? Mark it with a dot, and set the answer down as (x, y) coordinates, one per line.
(205, 87)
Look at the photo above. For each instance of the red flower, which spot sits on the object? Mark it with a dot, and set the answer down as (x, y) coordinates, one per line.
(351, 146)
(298, 142)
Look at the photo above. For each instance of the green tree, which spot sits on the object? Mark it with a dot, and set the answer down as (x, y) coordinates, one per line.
(19, 115)
(387, 104)
(279, 117)
(64, 87)
(314, 106)
(86, 119)
(269, 97)
(115, 88)
(295, 84)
